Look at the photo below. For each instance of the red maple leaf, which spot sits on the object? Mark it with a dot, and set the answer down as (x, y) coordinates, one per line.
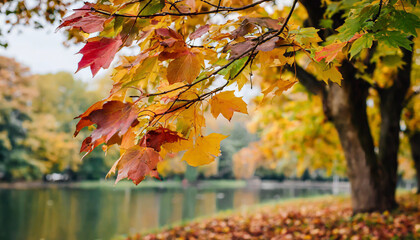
(84, 117)
(329, 52)
(98, 53)
(88, 145)
(85, 19)
(112, 121)
(156, 138)
(136, 163)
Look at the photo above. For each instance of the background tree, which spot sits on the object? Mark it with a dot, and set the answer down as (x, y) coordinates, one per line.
(157, 101)
(14, 111)
(49, 131)
(411, 114)
(292, 126)
(246, 161)
(239, 138)
(373, 174)
(36, 118)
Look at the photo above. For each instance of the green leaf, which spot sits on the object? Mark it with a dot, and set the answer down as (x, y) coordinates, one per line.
(233, 68)
(326, 23)
(237, 66)
(111, 30)
(356, 22)
(303, 35)
(406, 22)
(394, 39)
(151, 8)
(363, 42)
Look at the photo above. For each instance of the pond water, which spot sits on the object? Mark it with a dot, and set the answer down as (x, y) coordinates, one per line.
(103, 213)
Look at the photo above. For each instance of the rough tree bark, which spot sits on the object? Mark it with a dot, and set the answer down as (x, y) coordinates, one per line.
(373, 175)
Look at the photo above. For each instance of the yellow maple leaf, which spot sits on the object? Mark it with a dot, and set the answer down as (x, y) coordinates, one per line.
(243, 78)
(178, 146)
(282, 85)
(332, 74)
(190, 119)
(205, 150)
(185, 68)
(327, 72)
(226, 103)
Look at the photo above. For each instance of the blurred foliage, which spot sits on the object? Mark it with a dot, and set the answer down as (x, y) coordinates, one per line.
(295, 136)
(238, 139)
(36, 124)
(15, 100)
(246, 161)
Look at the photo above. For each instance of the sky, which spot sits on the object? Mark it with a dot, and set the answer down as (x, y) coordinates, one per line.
(43, 51)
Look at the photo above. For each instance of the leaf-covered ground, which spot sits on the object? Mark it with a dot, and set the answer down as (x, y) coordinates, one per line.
(325, 218)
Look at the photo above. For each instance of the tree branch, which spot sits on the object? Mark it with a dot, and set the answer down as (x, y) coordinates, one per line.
(308, 80)
(379, 11)
(218, 10)
(263, 38)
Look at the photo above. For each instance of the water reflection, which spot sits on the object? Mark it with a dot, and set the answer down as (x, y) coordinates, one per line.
(60, 213)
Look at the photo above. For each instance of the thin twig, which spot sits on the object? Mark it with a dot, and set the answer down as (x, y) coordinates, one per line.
(177, 14)
(379, 11)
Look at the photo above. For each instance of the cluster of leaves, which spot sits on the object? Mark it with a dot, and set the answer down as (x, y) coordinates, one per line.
(329, 218)
(144, 128)
(388, 23)
(189, 52)
(158, 98)
(384, 28)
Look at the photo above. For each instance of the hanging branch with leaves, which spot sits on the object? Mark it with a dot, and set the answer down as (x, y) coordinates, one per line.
(189, 51)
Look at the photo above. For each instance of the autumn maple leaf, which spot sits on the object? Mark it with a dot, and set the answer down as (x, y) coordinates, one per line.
(185, 68)
(157, 137)
(98, 53)
(136, 163)
(84, 19)
(226, 103)
(205, 150)
(330, 52)
(84, 117)
(113, 120)
(199, 32)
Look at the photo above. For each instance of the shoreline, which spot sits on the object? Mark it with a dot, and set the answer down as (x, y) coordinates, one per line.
(174, 184)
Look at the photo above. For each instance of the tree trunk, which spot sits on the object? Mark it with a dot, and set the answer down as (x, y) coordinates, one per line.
(415, 152)
(347, 109)
(372, 189)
